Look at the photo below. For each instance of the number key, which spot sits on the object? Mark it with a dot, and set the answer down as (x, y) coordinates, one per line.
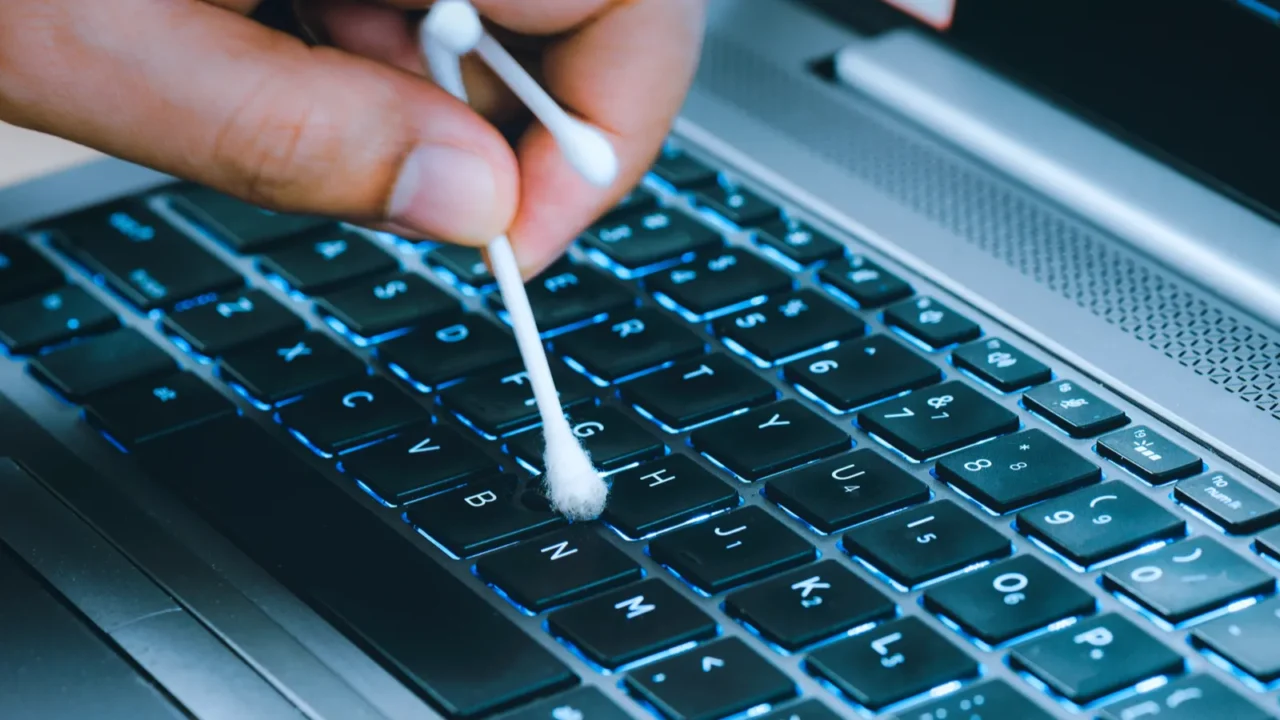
(1187, 578)
(640, 243)
(1096, 523)
(735, 204)
(798, 243)
(926, 542)
(936, 420)
(1000, 365)
(861, 372)
(1017, 470)
(707, 288)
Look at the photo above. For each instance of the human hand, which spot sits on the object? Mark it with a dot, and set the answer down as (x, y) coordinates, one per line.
(196, 89)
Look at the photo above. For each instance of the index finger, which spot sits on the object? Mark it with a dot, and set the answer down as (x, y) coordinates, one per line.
(626, 71)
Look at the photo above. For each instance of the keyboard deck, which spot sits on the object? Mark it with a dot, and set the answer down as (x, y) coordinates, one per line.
(836, 489)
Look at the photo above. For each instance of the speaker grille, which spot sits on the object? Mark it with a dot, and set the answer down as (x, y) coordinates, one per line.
(1041, 243)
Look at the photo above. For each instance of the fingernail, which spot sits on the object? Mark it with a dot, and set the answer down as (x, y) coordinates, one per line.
(446, 193)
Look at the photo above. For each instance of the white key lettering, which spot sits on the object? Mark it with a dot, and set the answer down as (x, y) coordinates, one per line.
(635, 607)
(703, 370)
(657, 477)
(293, 353)
(775, 421)
(481, 499)
(560, 282)
(424, 446)
(559, 550)
(627, 328)
(353, 399)
(453, 334)
(881, 646)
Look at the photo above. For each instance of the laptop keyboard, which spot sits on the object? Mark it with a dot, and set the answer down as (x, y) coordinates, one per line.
(834, 491)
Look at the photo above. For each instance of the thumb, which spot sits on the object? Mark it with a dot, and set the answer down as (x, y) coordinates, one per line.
(208, 95)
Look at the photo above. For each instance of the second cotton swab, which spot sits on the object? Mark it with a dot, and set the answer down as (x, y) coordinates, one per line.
(451, 29)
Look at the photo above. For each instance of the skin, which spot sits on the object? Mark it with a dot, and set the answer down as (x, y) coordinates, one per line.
(196, 89)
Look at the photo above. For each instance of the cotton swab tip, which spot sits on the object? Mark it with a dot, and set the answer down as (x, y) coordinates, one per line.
(574, 486)
(454, 24)
(588, 151)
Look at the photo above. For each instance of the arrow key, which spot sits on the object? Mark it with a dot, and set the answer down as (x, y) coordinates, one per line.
(715, 680)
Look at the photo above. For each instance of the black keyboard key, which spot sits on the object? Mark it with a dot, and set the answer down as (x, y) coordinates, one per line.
(633, 343)
(631, 623)
(708, 287)
(231, 321)
(462, 264)
(634, 244)
(845, 490)
(798, 243)
(411, 614)
(280, 369)
(1075, 410)
(809, 604)
(482, 516)
(787, 325)
(893, 662)
(1096, 523)
(1233, 505)
(736, 204)
(447, 350)
(861, 372)
(1095, 657)
(682, 171)
(100, 363)
(371, 309)
(663, 494)
(346, 415)
(327, 260)
(240, 226)
(865, 283)
(140, 257)
(931, 322)
(1268, 543)
(501, 402)
(770, 439)
(696, 391)
(1187, 578)
(23, 271)
(937, 420)
(925, 543)
(989, 700)
(1249, 639)
(1149, 455)
(1017, 470)
(810, 709)
(566, 294)
(1009, 599)
(558, 568)
(145, 412)
(1193, 697)
(51, 318)
(636, 201)
(584, 703)
(711, 681)
(731, 550)
(612, 439)
(418, 462)
(1001, 365)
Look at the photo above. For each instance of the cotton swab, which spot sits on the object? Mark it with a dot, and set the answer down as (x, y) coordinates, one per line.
(451, 29)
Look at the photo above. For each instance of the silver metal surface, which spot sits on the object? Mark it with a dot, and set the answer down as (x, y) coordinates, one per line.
(757, 111)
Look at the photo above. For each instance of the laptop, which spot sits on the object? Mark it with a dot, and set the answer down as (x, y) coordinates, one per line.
(935, 368)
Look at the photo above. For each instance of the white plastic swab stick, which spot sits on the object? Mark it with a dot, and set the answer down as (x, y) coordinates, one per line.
(451, 29)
